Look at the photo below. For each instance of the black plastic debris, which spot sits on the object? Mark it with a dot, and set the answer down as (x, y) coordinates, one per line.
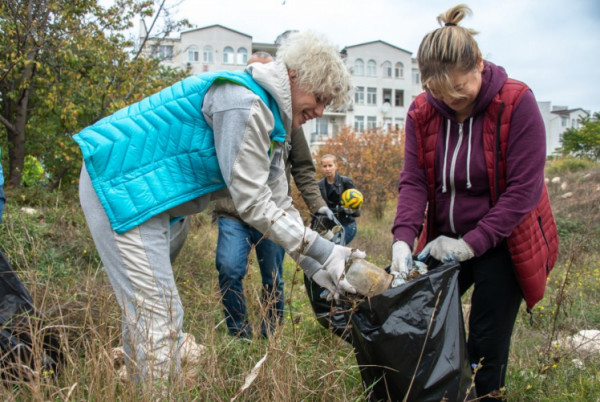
(327, 312)
(330, 315)
(27, 347)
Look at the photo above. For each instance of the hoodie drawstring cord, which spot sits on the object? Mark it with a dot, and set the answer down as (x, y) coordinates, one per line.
(446, 155)
(469, 154)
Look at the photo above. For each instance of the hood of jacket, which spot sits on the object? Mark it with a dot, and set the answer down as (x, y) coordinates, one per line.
(273, 78)
(492, 79)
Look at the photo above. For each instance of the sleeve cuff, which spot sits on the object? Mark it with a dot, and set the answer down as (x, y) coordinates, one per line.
(404, 236)
(308, 265)
(478, 242)
(320, 250)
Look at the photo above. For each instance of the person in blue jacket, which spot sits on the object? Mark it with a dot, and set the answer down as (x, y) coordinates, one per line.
(149, 166)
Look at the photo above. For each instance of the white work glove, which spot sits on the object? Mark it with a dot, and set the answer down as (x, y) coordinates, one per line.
(402, 262)
(331, 276)
(327, 212)
(445, 249)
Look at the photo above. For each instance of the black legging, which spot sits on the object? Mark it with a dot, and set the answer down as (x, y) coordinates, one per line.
(494, 307)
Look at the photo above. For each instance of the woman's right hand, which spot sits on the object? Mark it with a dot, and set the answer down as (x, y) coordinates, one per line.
(401, 261)
(331, 276)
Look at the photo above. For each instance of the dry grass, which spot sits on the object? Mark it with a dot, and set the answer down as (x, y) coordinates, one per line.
(54, 256)
(69, 286)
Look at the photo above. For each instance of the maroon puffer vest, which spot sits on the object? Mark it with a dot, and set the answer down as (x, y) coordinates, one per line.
(533, 244)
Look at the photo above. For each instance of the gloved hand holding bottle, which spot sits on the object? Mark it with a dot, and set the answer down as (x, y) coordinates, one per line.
(331, 276)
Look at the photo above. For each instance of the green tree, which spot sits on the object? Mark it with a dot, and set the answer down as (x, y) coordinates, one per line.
(373, 159)
(583, 142)
(65, 64)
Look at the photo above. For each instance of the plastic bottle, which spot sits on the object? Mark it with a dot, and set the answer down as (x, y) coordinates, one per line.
(367, 278)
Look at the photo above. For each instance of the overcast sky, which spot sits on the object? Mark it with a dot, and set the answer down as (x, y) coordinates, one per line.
(552, 45)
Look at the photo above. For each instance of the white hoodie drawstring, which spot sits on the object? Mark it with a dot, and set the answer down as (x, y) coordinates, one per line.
(446, 155)
(469, 154)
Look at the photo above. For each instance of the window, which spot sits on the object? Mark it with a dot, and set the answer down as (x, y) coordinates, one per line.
(371, 96)
(386, 69)
(399, 70)
(387, 125)
(163, 52)
(193, 54)
(399, 98)
(228, 55)
(242, 56)
(564, 121)
(359, 67)
(359, 123)
(416, 76)
(372, 68)
(359, 96)
(371, 122)
(399, 123)
(387, 96)
(321, 126)
(207, 54)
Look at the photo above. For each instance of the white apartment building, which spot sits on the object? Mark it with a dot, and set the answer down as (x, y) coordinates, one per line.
(384, 85)
(201, 50)
(385, 77)
(557, 120)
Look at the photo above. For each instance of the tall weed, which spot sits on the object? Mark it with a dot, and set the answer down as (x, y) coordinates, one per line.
(52, 252)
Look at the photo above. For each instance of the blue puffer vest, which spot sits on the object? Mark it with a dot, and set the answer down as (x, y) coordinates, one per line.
(160, 152)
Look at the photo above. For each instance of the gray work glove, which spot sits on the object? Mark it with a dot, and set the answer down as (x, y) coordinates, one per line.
(331, 276)
(327, 212)
(445, 249)
(402, 262)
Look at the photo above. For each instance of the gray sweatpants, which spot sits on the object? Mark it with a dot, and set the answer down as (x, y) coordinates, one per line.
(138, 264)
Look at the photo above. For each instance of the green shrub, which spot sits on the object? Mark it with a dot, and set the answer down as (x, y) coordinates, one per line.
(568, 227)
(33, 172)
(564, 165)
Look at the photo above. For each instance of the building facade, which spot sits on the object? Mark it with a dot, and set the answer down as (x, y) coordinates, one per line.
(386, 80)
(201, 50)
(557, 120)
(385, 77)
(384, 85)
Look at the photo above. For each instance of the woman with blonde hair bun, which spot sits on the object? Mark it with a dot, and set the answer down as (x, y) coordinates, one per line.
(474, 164)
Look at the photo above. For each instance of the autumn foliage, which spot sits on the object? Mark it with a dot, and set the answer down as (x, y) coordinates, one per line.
(372, 159)
(63, 66)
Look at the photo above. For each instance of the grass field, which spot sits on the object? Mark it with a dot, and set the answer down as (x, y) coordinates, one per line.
(51, 249)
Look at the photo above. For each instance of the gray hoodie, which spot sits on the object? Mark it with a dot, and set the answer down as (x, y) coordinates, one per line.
(255, 178)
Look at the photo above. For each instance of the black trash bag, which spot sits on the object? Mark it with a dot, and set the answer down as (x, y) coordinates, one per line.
(410, 340)
(25, 343)
(328, 314)
(331, 316)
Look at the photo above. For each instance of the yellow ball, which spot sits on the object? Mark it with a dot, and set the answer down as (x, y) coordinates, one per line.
(352, 198)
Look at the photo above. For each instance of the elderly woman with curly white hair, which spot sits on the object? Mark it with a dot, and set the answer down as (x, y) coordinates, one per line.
(150, 165)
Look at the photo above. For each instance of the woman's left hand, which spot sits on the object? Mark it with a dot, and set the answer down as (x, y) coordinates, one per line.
(446, 249)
